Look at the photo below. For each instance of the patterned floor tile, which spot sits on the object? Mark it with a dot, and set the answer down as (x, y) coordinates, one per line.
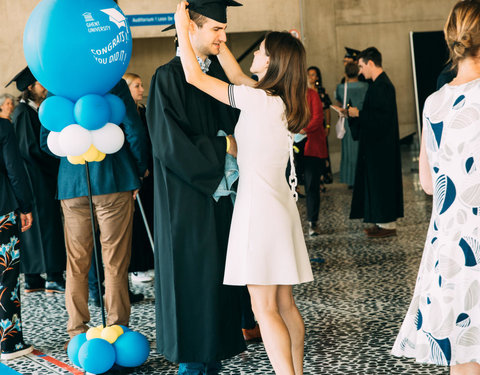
(352, 310)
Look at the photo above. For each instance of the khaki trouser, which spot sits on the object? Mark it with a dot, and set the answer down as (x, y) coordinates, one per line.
(114, 214)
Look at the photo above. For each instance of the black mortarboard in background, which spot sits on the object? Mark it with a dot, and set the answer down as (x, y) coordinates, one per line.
(214, 9)
(23, 79)
(351, 53)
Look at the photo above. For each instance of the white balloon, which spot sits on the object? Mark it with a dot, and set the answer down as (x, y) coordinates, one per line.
(108, 139)
(53, 142)
(75, 140)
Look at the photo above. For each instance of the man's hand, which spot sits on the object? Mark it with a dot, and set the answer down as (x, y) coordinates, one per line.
(135, 192)
(232, 149)
(147, 173)
(353, 112)
(26, 221)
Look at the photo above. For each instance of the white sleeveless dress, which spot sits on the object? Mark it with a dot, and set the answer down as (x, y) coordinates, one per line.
(266, 244)
(442, 325)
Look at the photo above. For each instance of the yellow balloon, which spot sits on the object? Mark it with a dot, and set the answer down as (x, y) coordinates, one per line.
(91, 154)
(118, 329)
(94, 333)
(100, 157)
(76, 159)
(110, 334)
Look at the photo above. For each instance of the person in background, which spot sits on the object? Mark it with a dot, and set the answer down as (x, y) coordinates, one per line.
(442, 324)
(314, 158)
(378, 191)
(7, 105)
(355, 96)
(315, 82)
(16, 203)
(44, 244)
(114, 182)
(142, 253)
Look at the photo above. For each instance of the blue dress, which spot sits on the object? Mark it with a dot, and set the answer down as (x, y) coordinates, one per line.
(442, 325)
(355, 95)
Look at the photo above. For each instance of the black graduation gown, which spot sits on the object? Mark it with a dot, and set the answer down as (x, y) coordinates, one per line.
(198, 318)
(43, 245)
(378, 192)
(142, 253)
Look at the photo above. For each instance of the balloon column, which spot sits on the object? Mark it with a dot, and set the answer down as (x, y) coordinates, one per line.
(100, 348)
(79, 50)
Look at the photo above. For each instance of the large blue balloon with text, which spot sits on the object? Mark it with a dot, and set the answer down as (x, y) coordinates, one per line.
(77, 47)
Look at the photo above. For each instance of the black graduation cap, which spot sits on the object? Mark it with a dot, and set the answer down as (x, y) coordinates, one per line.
(351, 53)
(214, 9)
(23, 79)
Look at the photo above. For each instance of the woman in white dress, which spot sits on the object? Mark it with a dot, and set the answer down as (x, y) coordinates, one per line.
(266, 249)
(442, 325)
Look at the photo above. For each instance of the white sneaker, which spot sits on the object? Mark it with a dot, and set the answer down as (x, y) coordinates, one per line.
(16, 354)
(141, 277)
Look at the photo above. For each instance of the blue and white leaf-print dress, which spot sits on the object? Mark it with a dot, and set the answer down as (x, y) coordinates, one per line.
(442, 325)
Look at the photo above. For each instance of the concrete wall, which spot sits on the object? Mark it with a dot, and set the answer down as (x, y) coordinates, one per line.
(326, 27)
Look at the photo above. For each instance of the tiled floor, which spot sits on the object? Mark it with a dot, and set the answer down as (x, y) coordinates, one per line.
(352, 311)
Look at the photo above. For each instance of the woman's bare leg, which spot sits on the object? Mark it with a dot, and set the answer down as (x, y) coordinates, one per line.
(294, 322)
(275, 334)
(472, 368)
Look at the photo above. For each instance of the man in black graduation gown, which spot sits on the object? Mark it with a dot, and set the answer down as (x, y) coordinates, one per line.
(377, 193)
(43, 246)
(198, 318)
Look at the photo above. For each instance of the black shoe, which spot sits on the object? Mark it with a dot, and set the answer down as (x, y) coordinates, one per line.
(55, 287)
(134, 298)
(34, 285)
(24, 350)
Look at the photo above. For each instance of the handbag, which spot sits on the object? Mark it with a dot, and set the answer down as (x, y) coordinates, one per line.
(340, 125)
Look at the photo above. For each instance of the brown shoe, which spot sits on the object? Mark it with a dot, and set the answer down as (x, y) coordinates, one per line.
(373, 228)
(65, 346)
(379, 232)
(252, 334)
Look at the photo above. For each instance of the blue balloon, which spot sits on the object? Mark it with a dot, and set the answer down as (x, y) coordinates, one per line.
(117, 109)
(125, 328)
(92, 111)
(74, 346)
(131, 349)
(74, 48)
(96, 356)
(56, 113)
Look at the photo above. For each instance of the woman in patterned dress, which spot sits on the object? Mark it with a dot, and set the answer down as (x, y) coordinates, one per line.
(15, 195)
(442, 325)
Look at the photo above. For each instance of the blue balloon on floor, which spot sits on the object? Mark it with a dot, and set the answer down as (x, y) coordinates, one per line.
(92, 111)
(96, 356)
(56, 113)
(117, 109)
(74, 48)
(74, 347)
(125, 328)
(132, 349)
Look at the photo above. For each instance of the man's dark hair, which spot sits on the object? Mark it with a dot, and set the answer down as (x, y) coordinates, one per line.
(351, 70)
(198, 18)
(371, 54)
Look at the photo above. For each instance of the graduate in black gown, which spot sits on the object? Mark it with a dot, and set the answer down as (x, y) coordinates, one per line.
(378, 192)
(198, 318)
(43, 246)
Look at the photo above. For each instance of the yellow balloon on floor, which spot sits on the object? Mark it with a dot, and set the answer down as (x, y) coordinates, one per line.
(110, 334)
(91, 154)
(94, 333)
(118, 329)
(76, 159)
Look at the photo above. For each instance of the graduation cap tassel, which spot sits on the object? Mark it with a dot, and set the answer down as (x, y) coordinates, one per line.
(145, 221)
(94, 236)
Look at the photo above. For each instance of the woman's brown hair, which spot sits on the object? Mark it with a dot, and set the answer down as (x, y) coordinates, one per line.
(462, 30)
(286, 77)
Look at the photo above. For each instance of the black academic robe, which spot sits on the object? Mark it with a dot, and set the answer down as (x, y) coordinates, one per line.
(198, 318)
(43, 245)
(378, 192)
(142, 253)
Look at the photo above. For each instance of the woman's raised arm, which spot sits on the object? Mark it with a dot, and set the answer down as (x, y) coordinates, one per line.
(233, 70)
